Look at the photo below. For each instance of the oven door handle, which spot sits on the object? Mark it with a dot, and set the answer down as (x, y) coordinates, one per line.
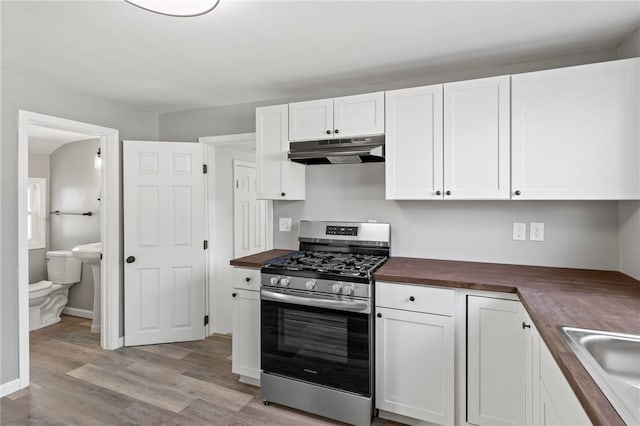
(341, 305)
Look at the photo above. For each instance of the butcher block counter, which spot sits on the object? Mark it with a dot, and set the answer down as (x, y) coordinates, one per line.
(257, 260)
(599, 300)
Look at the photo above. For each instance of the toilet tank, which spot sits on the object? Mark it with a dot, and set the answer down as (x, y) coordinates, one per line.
(62, 267)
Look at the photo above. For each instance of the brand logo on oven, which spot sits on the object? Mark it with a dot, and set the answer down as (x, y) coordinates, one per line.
(306, 370)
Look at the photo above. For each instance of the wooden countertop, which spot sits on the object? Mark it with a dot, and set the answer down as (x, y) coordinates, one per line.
(600, 300)
(257, 260)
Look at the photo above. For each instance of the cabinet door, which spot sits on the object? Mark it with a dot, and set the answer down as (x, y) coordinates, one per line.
(245, 355)
(413, 163)
(555, 387)
(414, 365)
(360, 115)
(576, 131)
(548, 413)
(496, 362)
(311, 120)
(277, 178)
(477, 141)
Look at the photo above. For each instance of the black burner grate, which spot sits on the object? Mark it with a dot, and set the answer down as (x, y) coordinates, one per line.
(348, 264)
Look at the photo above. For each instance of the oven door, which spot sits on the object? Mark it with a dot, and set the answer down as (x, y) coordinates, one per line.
(316, 344)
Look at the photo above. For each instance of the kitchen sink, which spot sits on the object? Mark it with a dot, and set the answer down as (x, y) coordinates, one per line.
(613, 361)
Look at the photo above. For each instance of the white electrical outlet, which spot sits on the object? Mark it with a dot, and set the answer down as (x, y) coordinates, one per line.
(285, 224)
(519, 231)
(537, 231)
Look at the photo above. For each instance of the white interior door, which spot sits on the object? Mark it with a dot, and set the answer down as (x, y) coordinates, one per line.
(249, 213)
(163, 242)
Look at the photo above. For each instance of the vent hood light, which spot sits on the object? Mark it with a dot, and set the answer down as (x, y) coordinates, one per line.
(176, 7)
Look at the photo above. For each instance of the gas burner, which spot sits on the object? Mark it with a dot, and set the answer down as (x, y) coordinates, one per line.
(327, 264)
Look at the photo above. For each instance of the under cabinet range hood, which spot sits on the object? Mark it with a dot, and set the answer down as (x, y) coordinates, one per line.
(369, 149)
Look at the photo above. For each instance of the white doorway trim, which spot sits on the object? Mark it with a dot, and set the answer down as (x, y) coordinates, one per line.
(110, 228)
(210, 143)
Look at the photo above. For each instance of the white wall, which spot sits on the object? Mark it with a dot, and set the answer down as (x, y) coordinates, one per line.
(21, 92)
(75, 188)
(39, 168)
(189, 125)
(577, 234)
(629, 211)
(223, 205)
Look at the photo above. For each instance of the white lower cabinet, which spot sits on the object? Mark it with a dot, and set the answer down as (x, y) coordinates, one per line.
(548, 414)
(245, 351)
(512, 378)
(558, 403)
(414, 354)
(496, 361)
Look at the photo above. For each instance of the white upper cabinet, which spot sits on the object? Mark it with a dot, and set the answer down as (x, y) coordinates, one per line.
(311, 120)
(449, 142)
(576, 132)
(277, 178)
(413, 143)
(359, 115)
(477, 139)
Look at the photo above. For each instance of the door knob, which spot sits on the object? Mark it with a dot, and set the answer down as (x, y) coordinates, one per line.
(130, 259)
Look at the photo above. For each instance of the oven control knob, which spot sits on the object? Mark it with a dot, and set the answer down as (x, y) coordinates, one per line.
(275, 280)
(311, 284)
(284, 282)
(337, 288)
(348, 290)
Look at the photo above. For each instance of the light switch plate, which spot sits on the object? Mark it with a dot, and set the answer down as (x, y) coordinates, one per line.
(519, 231)
(285, 224)
(536, 231)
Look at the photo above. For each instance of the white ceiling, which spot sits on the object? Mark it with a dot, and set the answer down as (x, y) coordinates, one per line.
(247, 51)
(44, 140)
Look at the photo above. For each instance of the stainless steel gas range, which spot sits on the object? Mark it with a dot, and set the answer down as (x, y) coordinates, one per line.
(317, 323)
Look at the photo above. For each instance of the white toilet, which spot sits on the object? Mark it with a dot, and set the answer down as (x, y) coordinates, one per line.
(47, 299)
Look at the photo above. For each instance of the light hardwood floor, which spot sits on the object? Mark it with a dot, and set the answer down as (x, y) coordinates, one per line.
(74, 382)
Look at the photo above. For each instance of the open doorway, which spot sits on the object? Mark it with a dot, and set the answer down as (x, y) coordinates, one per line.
(221, 153)
(35, 133)
(63, 213)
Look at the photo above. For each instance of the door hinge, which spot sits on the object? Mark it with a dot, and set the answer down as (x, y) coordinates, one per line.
(206, 319)
(237, 186)
(205, 244)
(205, 169)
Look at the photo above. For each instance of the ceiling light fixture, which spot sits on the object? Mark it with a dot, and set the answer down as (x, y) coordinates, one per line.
(97, 162)
(184, 8)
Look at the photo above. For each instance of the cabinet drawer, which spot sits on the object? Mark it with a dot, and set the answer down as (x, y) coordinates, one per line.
(416, 298)
(246, 278)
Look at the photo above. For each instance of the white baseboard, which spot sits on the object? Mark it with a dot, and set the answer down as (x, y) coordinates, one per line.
(9, 387)
(82, 313)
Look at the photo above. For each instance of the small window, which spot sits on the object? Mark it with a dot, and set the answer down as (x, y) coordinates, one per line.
(36, 213)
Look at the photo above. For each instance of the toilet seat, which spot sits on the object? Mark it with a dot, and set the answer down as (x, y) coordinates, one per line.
(41, 288)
